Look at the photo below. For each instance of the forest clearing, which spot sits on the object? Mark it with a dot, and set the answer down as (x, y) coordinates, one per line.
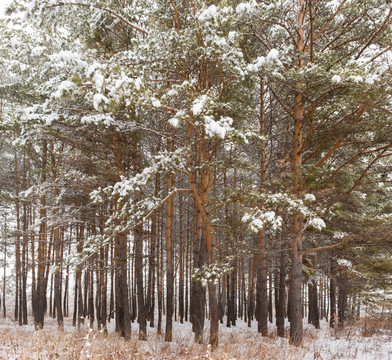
(216, 172)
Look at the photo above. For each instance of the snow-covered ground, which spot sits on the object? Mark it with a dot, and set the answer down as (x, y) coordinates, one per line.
(239, 342)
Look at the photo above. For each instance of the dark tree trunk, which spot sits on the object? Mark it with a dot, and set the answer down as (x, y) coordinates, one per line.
(181, 264)
(150, 304)
(314, 314)
(42, 256)
(75, 313)
(85, 293)
(188, 263)
(270, 297)
(123, 321)
(104, 253)
(66, 290)
(332, 296)
(138, 235)
(160, 275)
(229, 311)
(198, 292)
(5, 272)
(250, 291)
(261, 287)
(280, 309)
(112, 281)
(24, 253)
(343, 294)
(169, 255)
(296, 326)
(91, 295)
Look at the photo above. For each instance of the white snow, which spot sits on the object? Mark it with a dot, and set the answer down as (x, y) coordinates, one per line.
(217, 128)
(156, 103)
(310, 197)
(104, 119)
(65, 86)
(232, 36)
(273, 57)
(262, 220)
(98, 99)
(371, 79)
(339, 235)
(99, 80)
(345, 263)
(208, 13)
(246, 7)
(174, 122)
(37, 50)
(336, 79)
(317, 223)
(356, 78)
(138, 84)
(198, 105)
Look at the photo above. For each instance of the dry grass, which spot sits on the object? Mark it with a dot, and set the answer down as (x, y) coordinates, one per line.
(238, 343)
(19, 344)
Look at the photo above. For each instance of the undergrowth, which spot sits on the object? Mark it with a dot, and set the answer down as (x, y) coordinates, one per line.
(239, 343)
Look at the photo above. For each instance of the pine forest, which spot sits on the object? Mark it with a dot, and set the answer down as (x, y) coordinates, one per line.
(176, 173)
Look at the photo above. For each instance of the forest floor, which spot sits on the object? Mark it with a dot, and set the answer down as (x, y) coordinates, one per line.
(239, 342)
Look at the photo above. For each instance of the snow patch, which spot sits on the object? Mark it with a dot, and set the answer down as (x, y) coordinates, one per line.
(317, 223)
(208, 13)
(64, 87)
(98, 99)
(198, 105)
(246, 7)
(310, 197)
(156, 103)
(336, 79)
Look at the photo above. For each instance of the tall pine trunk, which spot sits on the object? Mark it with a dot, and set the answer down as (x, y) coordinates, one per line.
(169, 252)
(296, 326)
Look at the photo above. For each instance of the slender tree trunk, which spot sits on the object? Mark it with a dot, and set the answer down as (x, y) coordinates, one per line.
(261, 260)
(280, 310)
(17, 310)
(159, 274)
(250, 291)
(187, 264)
(86, 285)
(42, 259)
(261, 288)
(112, 280)
(342, 298)
(138, 235)
(78, 287)
(314, 315)
(66, 290)
(91, 314)
(98, 290)
(169, 253)
(75, 312)
(332, 295)
(104, 254)
(152, 262)
(181, 264)
(57, 245)
(5, 270)
(229, 312)
(25, 247)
